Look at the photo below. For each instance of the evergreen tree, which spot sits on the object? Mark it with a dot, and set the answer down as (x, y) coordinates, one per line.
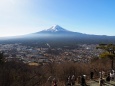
(108, 51)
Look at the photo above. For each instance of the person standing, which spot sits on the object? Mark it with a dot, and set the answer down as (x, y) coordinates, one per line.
(54, 82)
(69, 81)
(49, 81)
(91, 75)
(111, 75)
(83, 82)
(108, 78)
(73, 80)
(101, 81)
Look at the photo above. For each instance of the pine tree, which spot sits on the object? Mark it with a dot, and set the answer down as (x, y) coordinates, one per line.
(109, 52)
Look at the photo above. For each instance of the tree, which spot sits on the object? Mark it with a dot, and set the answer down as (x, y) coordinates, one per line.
(109, 52)
(1, 57)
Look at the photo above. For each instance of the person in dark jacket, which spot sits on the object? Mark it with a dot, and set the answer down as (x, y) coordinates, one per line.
(83, 82)
(91, 74)
(108, 78)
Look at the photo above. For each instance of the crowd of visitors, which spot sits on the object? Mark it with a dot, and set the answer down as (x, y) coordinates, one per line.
(72, 79)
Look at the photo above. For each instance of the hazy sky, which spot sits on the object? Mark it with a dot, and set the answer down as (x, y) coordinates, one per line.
(19, 17)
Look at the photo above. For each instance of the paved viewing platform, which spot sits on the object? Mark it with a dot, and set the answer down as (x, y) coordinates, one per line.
(96, 83)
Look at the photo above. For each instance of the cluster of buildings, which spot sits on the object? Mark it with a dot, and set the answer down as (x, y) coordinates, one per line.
(35, 55)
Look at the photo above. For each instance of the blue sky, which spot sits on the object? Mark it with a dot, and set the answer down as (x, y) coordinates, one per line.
(18, 17)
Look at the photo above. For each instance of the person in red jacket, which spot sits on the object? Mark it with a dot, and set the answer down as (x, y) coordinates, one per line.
(54, 82)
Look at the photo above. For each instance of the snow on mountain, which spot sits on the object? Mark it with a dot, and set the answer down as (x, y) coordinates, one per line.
(55, 28)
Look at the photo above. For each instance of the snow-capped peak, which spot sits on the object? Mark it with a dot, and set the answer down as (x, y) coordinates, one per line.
(55, 28)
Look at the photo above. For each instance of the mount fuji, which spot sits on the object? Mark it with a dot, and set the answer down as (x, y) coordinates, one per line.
(57, 31)
(54, 30)
(56, 35)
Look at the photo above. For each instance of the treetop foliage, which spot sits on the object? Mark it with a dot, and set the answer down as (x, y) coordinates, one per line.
(109, 50)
